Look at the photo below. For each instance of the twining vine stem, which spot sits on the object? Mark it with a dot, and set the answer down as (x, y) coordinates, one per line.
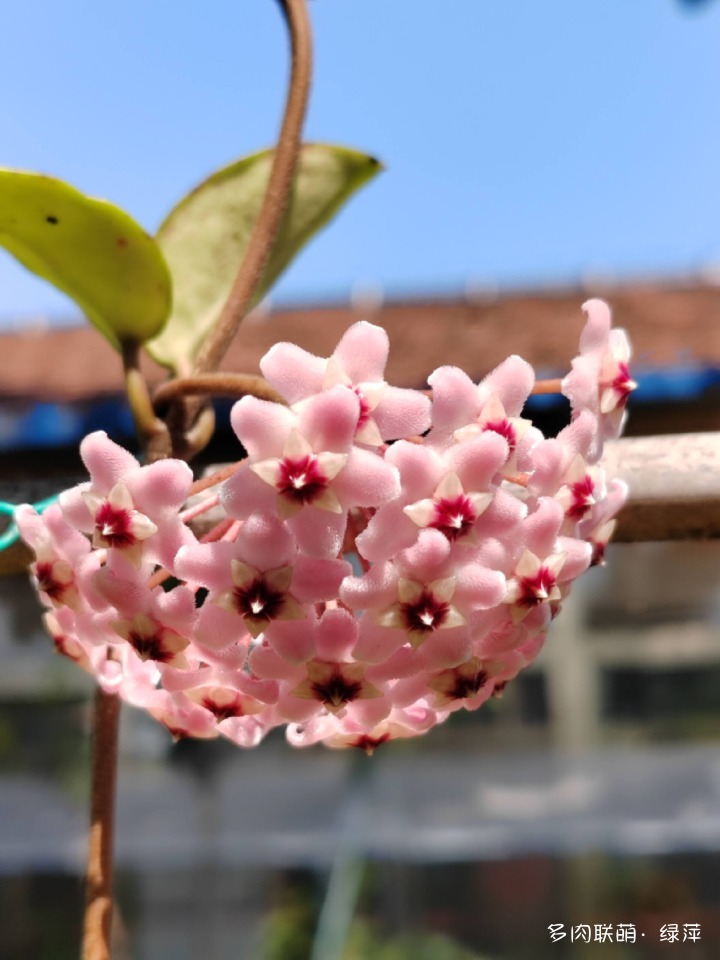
(276, 197)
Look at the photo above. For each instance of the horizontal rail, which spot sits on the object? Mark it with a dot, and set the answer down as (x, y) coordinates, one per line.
(674, 485)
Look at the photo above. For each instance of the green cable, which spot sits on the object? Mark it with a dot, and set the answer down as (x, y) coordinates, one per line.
(12, 534)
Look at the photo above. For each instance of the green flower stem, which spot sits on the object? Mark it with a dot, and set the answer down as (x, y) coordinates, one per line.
(153, 433)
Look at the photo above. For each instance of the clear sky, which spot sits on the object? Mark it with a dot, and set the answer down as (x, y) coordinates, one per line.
(526, 141)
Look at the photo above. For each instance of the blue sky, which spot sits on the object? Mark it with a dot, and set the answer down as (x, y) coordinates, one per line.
(526, 141)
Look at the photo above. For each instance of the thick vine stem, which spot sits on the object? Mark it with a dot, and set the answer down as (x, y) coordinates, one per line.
(216, 385)
(277, 194)
(99, 895)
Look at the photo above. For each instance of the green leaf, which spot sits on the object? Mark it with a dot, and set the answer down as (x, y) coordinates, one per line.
(205, 236)
(91, 250)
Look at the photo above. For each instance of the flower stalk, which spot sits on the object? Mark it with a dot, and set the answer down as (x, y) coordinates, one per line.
(99, 897)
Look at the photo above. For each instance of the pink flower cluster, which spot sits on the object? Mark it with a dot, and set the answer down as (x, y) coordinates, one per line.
(382, 560)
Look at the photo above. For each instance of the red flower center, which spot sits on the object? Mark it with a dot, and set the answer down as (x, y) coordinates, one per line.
(425, 614)
(47, 582)
(369, 744)
(336, 690)
(454, 516)
(536, 589)
(505, 429)
(150, 647)
(622, 384)
(464, 686)
(223, 711)
(364, 415)
(582, 492)
(258, 600)
(301, 480)
(598, 554)
(115, 526)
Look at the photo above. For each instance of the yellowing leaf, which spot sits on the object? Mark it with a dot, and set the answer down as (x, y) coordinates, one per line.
(205, 236)
(91, 250)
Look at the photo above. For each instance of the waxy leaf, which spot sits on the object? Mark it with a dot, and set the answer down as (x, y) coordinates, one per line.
(205, 236)
(91, 250)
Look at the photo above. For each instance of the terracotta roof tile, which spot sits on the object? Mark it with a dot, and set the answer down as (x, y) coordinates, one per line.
(669, 322)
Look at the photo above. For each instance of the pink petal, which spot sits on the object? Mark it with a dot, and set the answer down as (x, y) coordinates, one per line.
(72, 503)
(329, 419)
(421, 468)
(265, 542)
(511, 381)
(376, 588)
(455, 400)
(477, 586)
(318, 532)
(244, 493)
(161, 486)
(367, 480)
(542, 527)
(207, 565)
(376, 644)
(390, 530)
(369, 712)
(292, 640)
(267, 664)
(402, 413)
(107, 462)
(446, 648)
(336, 634)
(425, 560)
(478, 460)
(577, 559)
(262, 426)
(363, 352)
(292, 371)
(217, 629)
(317, 579)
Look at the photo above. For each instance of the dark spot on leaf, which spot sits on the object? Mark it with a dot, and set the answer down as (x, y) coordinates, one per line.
(122, 242)
(51, 219)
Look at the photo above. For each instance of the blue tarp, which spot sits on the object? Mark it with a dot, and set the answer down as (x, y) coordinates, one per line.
(59, 425)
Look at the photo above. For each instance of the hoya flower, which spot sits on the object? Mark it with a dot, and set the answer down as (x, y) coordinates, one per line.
(128, 508)
(458, 403)
(493, 417)
(600, 380)
(535, 582)
(59, 550)
(358, 364)
(581, 490)
(305, 467)
(470, 681)
(422, 608)
(335, 685)
(261, 597)
(152, 640)
(451, 510)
